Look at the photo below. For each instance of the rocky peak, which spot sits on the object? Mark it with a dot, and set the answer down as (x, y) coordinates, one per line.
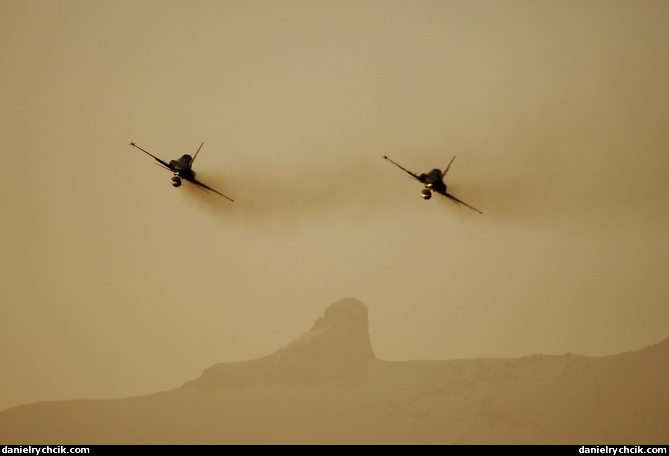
(337, 347)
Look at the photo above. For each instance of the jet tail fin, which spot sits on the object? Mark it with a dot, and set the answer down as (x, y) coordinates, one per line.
(194, 156)
(448, 167)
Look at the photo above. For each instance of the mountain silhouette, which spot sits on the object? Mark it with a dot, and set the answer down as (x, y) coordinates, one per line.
(336, 348)
(327, 387)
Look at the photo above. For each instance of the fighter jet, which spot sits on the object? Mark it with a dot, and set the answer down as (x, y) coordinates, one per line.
(433, 181)
(182, 168)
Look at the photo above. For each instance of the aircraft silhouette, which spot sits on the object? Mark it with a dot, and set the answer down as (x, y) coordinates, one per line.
(433, 181)
(182, 169)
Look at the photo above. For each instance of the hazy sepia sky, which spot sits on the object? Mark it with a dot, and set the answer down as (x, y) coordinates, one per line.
(116, 284)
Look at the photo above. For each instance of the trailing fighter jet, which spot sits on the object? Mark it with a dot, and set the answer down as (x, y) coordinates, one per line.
(433, 181)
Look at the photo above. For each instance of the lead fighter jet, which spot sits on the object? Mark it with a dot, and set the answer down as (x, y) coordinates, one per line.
(182, 169)
(433, 181)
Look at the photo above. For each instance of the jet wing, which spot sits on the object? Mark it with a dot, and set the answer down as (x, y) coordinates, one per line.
(165, 164)
(414, 175)
(453, 198)
(206, 187)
